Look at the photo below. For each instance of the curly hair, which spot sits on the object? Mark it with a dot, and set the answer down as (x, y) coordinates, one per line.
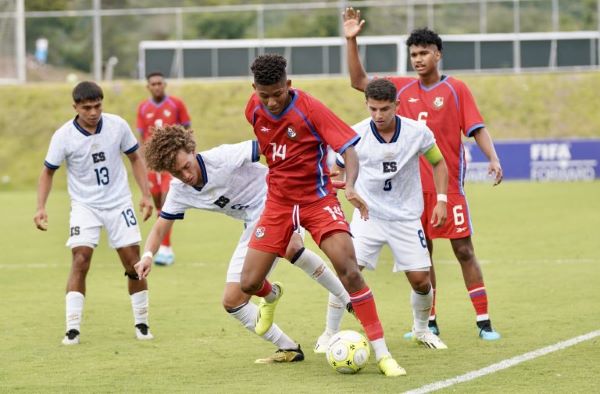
(381, 90)
(161, 150)
(269, 69)
(424, 37)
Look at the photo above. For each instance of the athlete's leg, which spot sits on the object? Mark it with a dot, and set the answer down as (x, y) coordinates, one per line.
(75, 292)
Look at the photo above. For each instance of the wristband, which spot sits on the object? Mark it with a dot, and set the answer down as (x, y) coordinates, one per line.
(442, 197)
(148, 254)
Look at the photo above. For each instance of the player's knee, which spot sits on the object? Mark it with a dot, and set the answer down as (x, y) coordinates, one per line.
(464, 253)
(351, 279)
(81, 262)
(421, 286)
(249, 285)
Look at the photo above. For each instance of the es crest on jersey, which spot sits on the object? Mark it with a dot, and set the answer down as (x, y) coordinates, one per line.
(438, 102)
(291, 133)
(260, 232)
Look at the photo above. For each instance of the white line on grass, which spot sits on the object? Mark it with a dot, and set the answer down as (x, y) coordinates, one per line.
(510, 362)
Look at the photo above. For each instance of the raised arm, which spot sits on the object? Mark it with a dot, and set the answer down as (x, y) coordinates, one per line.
(158, 232)
(352, 27)
(351, 164)
(141, 178)
(485, 143)
(44, 186)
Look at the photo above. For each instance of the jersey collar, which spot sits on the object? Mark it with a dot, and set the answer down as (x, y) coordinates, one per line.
(287, 109)
(380, 138)
(158, 104)
(438, 83)
(84, 131)
(203, 170)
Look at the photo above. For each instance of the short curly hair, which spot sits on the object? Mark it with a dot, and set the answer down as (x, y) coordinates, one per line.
(424, 37)
(161, 150)
(269, 69)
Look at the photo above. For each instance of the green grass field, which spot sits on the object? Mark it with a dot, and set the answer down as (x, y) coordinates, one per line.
(537, 244)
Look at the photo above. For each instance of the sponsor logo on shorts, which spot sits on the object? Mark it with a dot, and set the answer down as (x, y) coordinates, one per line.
(291, 133)
(260, 232)
(461, 229)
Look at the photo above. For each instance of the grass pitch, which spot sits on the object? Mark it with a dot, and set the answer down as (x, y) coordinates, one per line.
(537, 244)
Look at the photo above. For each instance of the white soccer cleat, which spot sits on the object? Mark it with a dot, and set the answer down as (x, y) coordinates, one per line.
(71, 337)
(323, 343)
(142, 332)
(429, 340)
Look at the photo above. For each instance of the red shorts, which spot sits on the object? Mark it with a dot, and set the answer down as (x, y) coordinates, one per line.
(159, 182)
(458, 223)
(274, 229)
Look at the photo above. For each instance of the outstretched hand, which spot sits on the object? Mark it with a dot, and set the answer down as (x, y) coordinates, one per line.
(356, 200)
(352, 22)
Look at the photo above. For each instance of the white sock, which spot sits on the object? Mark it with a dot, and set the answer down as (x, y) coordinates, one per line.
(74, 307)
(421, 306)
(162, 249)
(272, 296)
(315, 267)
(335, 313)
(380, 348)
(246, 314)
(139, 304)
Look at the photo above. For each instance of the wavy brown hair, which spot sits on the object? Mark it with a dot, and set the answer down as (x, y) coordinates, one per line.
(166, 142)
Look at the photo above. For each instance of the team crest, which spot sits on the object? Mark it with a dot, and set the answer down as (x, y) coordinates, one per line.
(438, 102)
(167, 112)
(260, 232)
(291, 133)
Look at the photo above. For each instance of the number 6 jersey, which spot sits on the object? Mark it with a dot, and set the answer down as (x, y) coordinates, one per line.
(96, 175)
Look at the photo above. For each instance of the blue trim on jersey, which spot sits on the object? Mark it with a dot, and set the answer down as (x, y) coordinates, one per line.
(84, 131)
(380, 138)
(254, 114)
(454, 94)
(203, 170)
(469, 215)
(339, 163)
(353, 141)
(132, 149)
(286, 109)
(435, 85)
(474, 128)
(255, 150)
(461, 170)
(186, 124)
(404, 88)
(158, 104)
(322, 179)
(50, 166)
(171, 216)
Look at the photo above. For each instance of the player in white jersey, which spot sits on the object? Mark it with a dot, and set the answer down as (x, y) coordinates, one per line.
(228, 180)
(390, 184)
(91, 145)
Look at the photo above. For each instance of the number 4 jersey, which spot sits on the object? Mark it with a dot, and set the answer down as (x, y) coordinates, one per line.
(96, 175)
(389, 178)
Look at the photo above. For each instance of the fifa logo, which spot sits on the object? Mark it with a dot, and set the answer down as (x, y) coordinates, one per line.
(547, 152)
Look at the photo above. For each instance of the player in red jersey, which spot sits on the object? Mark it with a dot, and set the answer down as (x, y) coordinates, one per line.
(448, 108)
(160, 109)
(294, 130)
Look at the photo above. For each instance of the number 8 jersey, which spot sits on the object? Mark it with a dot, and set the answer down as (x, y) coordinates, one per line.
(96, 175)
(389, 179)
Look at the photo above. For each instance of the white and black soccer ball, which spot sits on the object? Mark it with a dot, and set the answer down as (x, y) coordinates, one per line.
(348, 352)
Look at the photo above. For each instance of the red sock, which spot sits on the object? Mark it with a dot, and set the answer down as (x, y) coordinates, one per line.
(265, 289)
(432, 313)
(167, 239)
(479, 299)
(364, 307)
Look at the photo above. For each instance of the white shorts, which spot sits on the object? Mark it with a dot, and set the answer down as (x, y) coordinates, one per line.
(86, 222)
(234, 271)
(405, 238)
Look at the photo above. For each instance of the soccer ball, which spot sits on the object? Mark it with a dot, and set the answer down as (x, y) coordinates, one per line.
(348, 352)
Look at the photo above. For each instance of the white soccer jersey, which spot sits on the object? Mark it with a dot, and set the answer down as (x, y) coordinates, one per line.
(96, 175)
(389, 179)
(234, 184)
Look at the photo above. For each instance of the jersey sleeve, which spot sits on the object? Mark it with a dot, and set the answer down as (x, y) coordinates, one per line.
(251, 107)
(174, 207)
(334, 131)
(470, 117)
(129, 143)
(426, 140)
(56, 151)
(236, 155)
(183, 115)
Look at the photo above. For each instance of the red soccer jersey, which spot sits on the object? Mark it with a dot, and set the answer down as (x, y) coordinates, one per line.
(448, 108)
(169, 111)
(295, 146)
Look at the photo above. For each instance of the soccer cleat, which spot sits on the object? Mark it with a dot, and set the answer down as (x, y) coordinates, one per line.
(486, 332)
(322, 343)
(283, 356)
(71, 337)
(164, 259)
(433, 327)
(429, 340)
(142, 332)
(266, 312)
(389, 367)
